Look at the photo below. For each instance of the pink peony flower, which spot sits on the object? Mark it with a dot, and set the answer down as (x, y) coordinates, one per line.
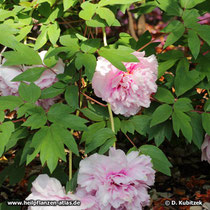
(205, 19)
(46, 188)
(7, 73)
(127, 91)
(118, 181)
(205, 148)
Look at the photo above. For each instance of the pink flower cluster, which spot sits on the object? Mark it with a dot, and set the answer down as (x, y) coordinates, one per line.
(127, 91)
(50, 189)
(7, 73)
(117, 181)
(205, 148)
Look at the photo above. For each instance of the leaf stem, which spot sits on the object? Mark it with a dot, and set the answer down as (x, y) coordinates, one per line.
(104, 37)
(112, 121)
(70, 164)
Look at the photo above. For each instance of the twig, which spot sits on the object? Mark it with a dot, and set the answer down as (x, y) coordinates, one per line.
(71, 21)
(49, 69)
(130, 140)
(88, 97)
(19, 120)
(149, 43)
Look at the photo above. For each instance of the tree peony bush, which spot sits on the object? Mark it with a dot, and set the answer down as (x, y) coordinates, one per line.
(127, 91)
(80, 79)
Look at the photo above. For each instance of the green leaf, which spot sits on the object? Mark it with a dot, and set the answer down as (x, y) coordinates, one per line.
(141, 123)
(71, 96)
(23, 55)
(23, 32)
(72, 184)
(159, 160)
(87, 60)
(6, 36)
(164, 66)
(113, 2)
(68, 4)
(190, 18)
(24, 108)
(172, 54)
(177, 30)
(50, 145)
(59, 113)
(51, 92)
(182, 121)
(203, 32)
(30, 75)
(19, 133)
(53, 32)
(197, 128)
(144, 8)
(99, 138)
(105, 147)
(71, 42)
(88, 10)
(143, 39)
(10, 102)
(207, 106)
(92, 115)
(203, 67)
(185, 79)
(2, 115)
(37, 119)
(117, 56)
(98, 22)
(194, 43)
(51, 2)
(160, 132)
(67, 138)
(190, 3)
(164, 95)
(127, 126)
(106, 14)
(6, 130)
(90, 45)
(206, 122)
(42, 39)
(183, 105)
(171, 7)
(161, 114)
(87, 135)
(29, 93)
(117, 124)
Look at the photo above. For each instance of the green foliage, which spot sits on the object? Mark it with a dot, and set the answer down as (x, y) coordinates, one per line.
(171, 7)
(161, 114)
(29, 93)
(6, 130)
(117, 56)
(22, 55)
(159, 160)
(177, 30)
(164, 95)
(74, 31)
(99, 138)
(182, 121)
(49, 143)
(30, 75)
